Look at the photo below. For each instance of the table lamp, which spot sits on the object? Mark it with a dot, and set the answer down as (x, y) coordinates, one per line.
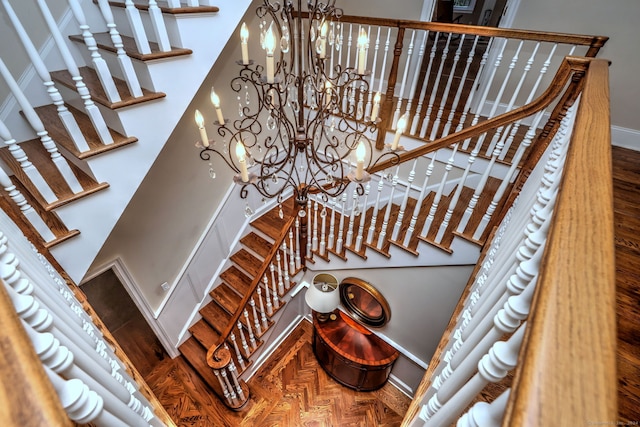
(323, 296)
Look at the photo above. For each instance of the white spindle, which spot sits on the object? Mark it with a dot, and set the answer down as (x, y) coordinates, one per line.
(159, 29)
(292, 254)
(263, 315)
(423, 92)
(227, 384)
(236, 348)
(280, 276)
(363, 217)
(243, 340)
(25, 208)
(354, 210)
(126, 66)
(247, 326)
(37, 125)
(314, 240)
(223, 386)
(403, 206)
(376, 47)
(401, 97)
(418, 206)
(332, 224)
(387, 213)
(254, 311)
(436, 86)
(308, 237)
(137, 28)
(374, 216)
(445, 95)
(493, 367)
(456, 100)
(287, 278)
(384, 62)
(267, 295)
(65, 115)
(343, 208)
(233, 373)
(416, 76)
(274, 291)
(21, 157)
(323, 229)
(486, 414)
(436, 200)
(174, 4)
(298, 259)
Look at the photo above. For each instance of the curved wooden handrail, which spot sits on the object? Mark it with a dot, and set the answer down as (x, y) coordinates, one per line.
(569, 66)
(212, 359)
(567, 369)
(28, 398)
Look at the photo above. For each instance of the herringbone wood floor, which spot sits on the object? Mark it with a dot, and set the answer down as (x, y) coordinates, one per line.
(291, 389)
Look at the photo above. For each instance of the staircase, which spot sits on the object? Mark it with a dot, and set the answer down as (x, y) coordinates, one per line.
(108, 173)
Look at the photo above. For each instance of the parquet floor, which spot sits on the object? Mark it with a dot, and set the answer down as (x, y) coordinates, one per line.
(291, 389)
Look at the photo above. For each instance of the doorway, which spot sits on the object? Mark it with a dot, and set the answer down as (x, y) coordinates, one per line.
(472, 12)
(123, 319)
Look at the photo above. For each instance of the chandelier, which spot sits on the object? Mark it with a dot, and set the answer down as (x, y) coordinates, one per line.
(301, 117)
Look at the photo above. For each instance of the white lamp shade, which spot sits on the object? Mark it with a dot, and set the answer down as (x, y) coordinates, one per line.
(322, 295)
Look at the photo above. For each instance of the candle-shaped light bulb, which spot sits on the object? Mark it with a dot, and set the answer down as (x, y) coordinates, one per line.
(203, 131)
(327, 89)
(402, 125)
(322, 53)
(241, 154)
(244, 37)
(363, 41)
(361, 152)
(376, 107)
(270, 47)
(215, 100)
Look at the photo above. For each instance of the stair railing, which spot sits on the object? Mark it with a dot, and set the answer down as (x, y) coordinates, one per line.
(500, 69)
(250, 321)
(52, 346)
(528, 304)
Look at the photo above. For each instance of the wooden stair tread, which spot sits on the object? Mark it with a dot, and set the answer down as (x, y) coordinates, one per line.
(129, 45)
(247, 262)
(196, 355)
(215, 316)
(164, 7)
(270, 223)
(204, 333)
(55, 224)
(257, 244)
(92, 82)
(236, 279)
(49, 115)
(228, 299)
(41, 159)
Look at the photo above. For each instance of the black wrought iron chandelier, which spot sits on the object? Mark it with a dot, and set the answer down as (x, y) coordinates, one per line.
(301, 120)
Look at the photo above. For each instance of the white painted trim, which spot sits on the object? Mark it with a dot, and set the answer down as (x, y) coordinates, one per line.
(625, 138)
(400, 385)
(509, 13)
(122, 273)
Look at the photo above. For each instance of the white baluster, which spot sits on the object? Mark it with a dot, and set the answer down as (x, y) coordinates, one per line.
(445, 95)
(280, 278)
(252, 337)
(493, 367)
(456, 100)
(384, 62)
(223, 386)
(267, 295)
(159, 29)
(416, 77)
(292, 255)
(287, 278)
(323, 229)
(363, 217)
(423, 92)
(106, 80)
(243, 340)
(227, 384)
(401, 97)
(234, 342)
(403, 206)
(387, 213)
(263, 316)
(332, 224)
(298, 243)
(486, 414)
(126, 66)
(21, 157)
(374, 217)
(343, 208)
(314, 240)
(421, 197)
(354, 210)
(234, 378)
(137, 28)
(38, 126)
(308, 243)
(254, 311)
(436, 86)
(376, 47)
(436, 200)
(274, 293)
(67, 119)
(25, 208)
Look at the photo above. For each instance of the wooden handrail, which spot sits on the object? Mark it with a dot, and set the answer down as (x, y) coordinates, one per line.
(567, 369)
(28, 398)
(211, 353)
(569, 66)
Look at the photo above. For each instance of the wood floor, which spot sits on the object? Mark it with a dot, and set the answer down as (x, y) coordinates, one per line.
(291, 389)
(626, 189)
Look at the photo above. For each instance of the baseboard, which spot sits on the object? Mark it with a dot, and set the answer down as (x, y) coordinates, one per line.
(625, 138)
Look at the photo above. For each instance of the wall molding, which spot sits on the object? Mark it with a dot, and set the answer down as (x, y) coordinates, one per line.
(625, 137)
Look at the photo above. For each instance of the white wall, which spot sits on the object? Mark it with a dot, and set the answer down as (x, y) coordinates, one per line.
(619, 21)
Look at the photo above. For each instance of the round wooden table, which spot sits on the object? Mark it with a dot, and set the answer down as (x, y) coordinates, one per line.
(351, 354)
